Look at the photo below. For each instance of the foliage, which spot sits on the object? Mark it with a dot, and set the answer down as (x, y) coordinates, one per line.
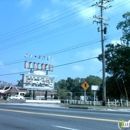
(117, 63)
(125, 26)
(20, 83)
(64, 87)
(5, 96)
(27, 95)
(62, 93)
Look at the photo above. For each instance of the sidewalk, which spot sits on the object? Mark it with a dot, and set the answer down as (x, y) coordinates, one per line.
(61, 105)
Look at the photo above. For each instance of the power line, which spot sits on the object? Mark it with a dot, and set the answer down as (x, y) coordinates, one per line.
(54, 66)
(52, 22)
(33, 37)
(75, 62)
(54, 15)
(61, 50)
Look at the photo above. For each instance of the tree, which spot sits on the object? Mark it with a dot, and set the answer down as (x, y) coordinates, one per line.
(118, 61)
(61, 84)
(62, 93)
(93, 80)
(125, 26)
(74, 85)
(20, 83)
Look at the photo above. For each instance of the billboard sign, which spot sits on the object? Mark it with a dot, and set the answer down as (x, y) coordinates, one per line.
(38, 82)
(43, 66)
(38, 66)
(51, 67)
(35, 65)
(27, 65)
(94, 87)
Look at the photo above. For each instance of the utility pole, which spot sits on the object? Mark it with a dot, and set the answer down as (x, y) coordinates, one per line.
(103, 30)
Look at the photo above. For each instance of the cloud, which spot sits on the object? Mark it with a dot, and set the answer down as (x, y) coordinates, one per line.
(88, 53)
(78, 68)
(88, 12)
(115, 42)
(55, 1)
(45, 14)
(26, 3)
(15, 70)
(83, 10)
(61, 2)
(1, 63)
(121, 3)
(49, 14)
(118, 6)
(96, 51)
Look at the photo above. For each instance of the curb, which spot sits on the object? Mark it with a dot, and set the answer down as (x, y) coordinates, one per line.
(79, 107)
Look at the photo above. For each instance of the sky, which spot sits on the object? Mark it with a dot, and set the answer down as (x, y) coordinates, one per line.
(61, 29)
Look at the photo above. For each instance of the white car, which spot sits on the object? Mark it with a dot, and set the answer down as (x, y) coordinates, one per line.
(16, 97)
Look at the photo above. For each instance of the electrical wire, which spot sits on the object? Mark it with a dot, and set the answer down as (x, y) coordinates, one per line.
(18, 44)
(33, 24)
(52, 22)
(35, 30)
(61, 51)
(54, 66)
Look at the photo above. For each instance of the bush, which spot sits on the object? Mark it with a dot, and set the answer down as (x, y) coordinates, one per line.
(5, 97)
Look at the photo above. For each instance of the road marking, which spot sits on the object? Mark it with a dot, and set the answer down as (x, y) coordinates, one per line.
(60, 115)
(67, 128)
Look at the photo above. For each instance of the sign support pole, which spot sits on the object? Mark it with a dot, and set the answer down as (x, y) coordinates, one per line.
(84, 97)
(94, 97)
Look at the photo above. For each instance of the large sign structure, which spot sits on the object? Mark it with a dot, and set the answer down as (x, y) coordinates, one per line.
(35, 65)
(37, 79)
(34, 81)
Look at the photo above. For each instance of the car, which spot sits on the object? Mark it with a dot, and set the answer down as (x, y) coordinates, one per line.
(16, 97)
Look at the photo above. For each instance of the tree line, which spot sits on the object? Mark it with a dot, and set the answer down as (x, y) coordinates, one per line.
(64, 87)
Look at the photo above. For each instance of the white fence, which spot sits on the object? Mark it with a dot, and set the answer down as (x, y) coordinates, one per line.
(115, 103)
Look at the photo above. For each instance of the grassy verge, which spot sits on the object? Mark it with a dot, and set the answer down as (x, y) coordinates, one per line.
(95, 107)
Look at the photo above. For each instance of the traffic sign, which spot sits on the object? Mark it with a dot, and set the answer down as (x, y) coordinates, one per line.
(85, 85)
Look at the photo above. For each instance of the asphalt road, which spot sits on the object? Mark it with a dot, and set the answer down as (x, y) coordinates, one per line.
(22, 117)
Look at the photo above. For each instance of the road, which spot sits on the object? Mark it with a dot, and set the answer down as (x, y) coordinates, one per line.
(23, 117)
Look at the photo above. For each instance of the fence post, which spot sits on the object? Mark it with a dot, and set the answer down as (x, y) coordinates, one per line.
(108, 103)
(127, 103)
(121, 103)
(115, 102)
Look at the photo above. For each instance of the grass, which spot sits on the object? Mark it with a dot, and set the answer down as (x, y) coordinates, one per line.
(95, 107)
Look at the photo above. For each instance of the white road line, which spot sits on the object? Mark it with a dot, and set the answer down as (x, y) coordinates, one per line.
(67, 128)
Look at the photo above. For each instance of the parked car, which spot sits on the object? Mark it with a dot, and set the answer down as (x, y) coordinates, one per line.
(16, 97)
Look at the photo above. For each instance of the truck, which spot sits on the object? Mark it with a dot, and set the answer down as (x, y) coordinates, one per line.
(82, 98)
(16, 97)
(88, 98)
